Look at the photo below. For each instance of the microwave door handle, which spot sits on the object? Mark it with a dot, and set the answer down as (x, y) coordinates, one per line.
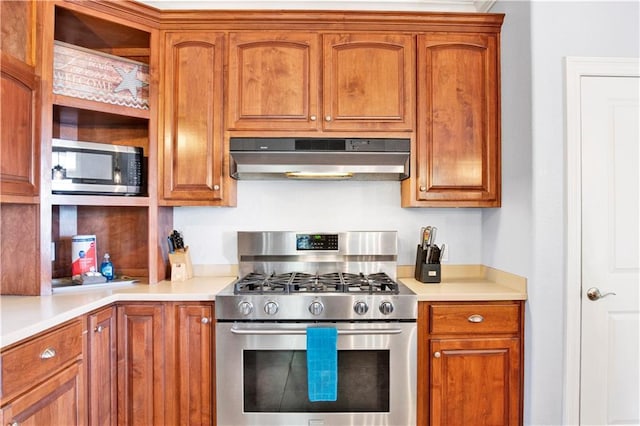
(300, 331)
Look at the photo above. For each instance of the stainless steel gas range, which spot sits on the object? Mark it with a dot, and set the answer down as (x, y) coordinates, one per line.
(291, 282)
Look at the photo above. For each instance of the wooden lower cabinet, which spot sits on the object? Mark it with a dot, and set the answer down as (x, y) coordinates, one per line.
(165, 363)
(58, 401)
(470, 363)
(43, 380)
(141, 364)
(101, 359)
(195, 384)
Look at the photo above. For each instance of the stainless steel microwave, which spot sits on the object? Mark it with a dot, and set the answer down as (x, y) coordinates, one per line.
(95, 168)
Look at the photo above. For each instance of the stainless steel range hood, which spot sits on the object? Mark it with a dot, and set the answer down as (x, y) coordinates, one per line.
(315, 158)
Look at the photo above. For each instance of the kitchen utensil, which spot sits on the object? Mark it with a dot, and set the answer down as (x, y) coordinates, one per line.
(442, 249)
(434, 254)
(176, 241)
(426, 236)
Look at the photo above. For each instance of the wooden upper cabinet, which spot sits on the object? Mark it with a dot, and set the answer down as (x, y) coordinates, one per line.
(273, 81)
(19, 129)
(194, 153)
(19, 101)
(368, 82)
(457, 155)
(17, 30)
(351, 82)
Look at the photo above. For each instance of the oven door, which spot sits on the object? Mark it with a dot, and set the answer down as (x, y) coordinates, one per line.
(261, 375)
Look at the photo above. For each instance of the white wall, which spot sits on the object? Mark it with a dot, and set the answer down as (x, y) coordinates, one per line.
(325, 206)
(557, 29)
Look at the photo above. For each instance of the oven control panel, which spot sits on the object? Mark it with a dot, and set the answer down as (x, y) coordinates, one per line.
(317, 242)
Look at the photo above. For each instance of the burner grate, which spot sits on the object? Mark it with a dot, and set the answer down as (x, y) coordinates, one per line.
(300, 282)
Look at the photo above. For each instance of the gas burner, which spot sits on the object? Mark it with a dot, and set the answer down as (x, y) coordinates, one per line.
(326, 283)
(256, 283)
(300, 282)
(378, 283)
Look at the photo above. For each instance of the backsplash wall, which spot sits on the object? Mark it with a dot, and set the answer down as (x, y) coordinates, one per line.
(210, 232)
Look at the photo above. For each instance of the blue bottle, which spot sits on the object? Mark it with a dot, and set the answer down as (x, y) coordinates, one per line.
(106, 267)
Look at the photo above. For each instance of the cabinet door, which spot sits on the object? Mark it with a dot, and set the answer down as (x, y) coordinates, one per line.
(457, 155)
(141, 369)
(19, 134)
(194, 152)
(58, 401)
(194, 342)
(368, 82)
(102, 367)
(273, 81)
(475, 381)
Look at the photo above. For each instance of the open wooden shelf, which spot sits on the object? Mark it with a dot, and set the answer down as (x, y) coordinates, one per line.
(99, 200)
(69, 101)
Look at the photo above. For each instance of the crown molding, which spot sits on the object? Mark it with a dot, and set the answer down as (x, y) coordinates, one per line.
(468, 6)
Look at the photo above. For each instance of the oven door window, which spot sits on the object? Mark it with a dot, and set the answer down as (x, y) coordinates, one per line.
(276, 381)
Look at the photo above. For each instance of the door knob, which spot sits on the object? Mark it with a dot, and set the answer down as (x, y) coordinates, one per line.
(594, 293)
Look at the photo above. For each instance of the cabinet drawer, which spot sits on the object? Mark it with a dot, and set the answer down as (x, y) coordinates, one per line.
(27, 364)
(477, 318)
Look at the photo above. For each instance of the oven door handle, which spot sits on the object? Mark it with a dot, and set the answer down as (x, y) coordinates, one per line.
(279, 331)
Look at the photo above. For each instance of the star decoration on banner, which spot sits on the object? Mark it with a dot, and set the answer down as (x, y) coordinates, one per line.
(129, 81)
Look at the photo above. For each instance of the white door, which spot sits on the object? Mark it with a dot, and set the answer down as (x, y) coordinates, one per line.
(609, 373)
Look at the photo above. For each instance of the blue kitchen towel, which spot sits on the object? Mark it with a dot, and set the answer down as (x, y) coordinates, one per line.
(322, 363)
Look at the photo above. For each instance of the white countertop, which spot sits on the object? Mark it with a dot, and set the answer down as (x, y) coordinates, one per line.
(24, 316)
(463, 290)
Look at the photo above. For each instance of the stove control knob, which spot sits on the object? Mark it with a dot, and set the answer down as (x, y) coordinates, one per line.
(271, 308)
(386, 307)
(245, 308)
(316, 307)
(361, 308)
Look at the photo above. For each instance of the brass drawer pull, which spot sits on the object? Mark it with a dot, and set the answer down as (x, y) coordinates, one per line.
(476, 318)
(48, 353)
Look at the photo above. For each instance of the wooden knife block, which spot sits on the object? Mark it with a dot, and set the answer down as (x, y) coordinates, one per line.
(181, 259)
